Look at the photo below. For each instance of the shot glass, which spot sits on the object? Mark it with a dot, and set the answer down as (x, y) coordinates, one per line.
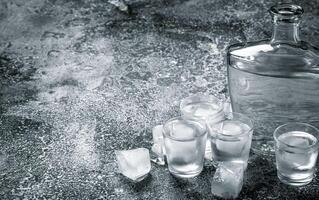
(203, 108)
(184, 142)
(231, 139)
(296, 147)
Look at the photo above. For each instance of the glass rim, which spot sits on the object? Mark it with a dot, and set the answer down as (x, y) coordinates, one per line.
(210, 98)
(298, 123)
(286, 12)
(286, 9)
(251, 125)
(180, 118)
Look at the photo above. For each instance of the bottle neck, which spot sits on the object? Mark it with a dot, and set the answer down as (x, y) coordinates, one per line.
(285, 32)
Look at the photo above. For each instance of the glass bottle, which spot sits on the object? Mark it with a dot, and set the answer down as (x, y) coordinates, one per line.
(275, 81)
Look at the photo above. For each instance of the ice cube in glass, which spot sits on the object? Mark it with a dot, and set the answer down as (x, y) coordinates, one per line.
(296, 153)
(157, 133)
(185, 146)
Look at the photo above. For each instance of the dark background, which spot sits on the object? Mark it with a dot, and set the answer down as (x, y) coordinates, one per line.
(80, 79)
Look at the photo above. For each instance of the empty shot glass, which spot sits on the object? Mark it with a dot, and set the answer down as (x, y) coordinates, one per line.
(296, 146)
(231, 139)
(203, 108)
(184, 142)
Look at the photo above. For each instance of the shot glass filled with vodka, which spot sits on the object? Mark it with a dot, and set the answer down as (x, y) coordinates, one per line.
(296, 146)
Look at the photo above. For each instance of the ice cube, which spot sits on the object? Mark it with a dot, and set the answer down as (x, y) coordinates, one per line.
(293, 154)
(182, 130)
(157, 154)
(233, 146)
(134, 164)
(190, 108)
(227, 107)
(228, 180)
(297, 141)
(203, 110)
(233, 127)
(298, 160)
(185, 152)
(120, 5)
(158, 148)
(208, 150)
(157, 133)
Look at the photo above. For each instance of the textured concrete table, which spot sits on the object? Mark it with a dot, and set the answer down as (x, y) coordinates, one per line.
(80, 79)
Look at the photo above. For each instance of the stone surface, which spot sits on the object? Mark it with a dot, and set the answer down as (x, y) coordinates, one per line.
(80, 79)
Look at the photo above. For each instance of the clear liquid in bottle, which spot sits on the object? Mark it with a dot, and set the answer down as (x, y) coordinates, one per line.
(275, 81)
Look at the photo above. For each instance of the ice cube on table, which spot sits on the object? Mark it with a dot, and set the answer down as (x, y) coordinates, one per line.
(228, 180)
(134, 164)
(208, 150)
(157, 154)
(227, 107)
(158, 148)
(157, 133)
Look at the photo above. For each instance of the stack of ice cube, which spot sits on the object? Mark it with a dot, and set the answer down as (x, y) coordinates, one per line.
(134, 164)
(228, 180)
(158, 150)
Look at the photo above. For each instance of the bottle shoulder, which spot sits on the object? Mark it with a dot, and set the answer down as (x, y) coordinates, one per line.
(270, 58)
(267, 47)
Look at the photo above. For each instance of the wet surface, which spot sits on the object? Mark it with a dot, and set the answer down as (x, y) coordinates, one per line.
(80, 79)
